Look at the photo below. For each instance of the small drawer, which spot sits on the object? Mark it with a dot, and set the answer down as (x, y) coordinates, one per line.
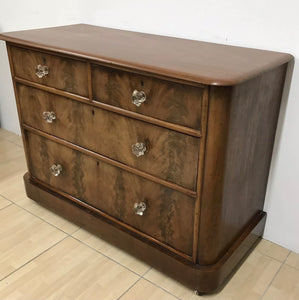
(165, 100)
(153, 209)
(54, 71)
(161, 152)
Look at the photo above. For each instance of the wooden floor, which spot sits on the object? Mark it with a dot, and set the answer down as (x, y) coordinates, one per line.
(42, 256)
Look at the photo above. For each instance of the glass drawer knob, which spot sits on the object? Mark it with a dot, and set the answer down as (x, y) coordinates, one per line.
(138, 97)
(138, 149)
(139, 208)
(41, 71)
(56, 170)
(49, 116)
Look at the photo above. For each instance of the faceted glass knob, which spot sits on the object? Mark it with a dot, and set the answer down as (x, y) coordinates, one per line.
(138, 149)
(49, 116)
(138, 97)
(41, 71)
(56, 170)
(139, 208)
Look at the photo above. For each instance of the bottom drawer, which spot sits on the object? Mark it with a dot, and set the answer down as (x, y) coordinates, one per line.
(168, 214)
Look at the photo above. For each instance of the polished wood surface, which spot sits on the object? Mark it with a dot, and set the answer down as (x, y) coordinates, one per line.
(110, 161)
(131, 114)
(168, 101)
(241, 130)
(187, 60)
(170, 155)
(204, 173)
(66, 74)
(199, 187)
(115, 192)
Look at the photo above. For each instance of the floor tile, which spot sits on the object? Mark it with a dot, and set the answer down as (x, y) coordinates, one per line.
(4, 134)
(293, 260)
(47, 215)
(10, 136)
(250, 281)
(9, 150)
(13, 189)
(3, 202)
(170, 285)
(285, 285)
(70, 270)
(12, 160)
(16, 139)
(23, 237)
(144, 290)
(273, 250)
(116, 254)
(12, 166)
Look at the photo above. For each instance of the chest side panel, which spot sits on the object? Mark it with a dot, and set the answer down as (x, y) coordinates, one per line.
(241, 130)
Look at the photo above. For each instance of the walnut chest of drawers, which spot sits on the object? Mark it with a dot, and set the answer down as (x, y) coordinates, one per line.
(161, 146)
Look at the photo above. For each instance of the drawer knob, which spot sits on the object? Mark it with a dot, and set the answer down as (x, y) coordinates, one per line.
(41, 71)
(49, 116)
(138, 149)
(56, 169)
(138, 97)
(139, 208)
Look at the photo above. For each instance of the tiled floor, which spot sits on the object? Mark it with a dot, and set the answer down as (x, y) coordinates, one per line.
(43, 256)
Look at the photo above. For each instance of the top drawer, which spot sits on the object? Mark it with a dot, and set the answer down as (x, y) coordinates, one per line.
(63, 73)
(169, 101)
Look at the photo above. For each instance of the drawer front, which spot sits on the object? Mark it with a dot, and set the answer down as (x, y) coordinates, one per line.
(168, 216)
(169, 155)
(168, 101)
(63, 73)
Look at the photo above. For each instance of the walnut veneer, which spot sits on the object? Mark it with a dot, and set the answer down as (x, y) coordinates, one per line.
(162, 146)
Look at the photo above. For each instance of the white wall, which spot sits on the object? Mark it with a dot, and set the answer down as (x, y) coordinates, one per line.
(264, 24)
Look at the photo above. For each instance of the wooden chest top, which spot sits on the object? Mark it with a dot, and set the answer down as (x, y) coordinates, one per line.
(195, 61)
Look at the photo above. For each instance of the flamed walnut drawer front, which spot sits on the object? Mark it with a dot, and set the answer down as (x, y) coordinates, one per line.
(168, 101)
(158, 211)
(164, 153)
(65, 74)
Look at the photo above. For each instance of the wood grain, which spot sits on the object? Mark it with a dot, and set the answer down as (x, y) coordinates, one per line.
(168, 101)
(112, 162)
(115, 191)
(183, 59)
(241, 130)
(170, 155)
(65, 74)
(201, 161)
(131, 114)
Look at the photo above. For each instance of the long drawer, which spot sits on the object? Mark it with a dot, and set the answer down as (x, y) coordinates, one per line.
(59, 72)
(165, 100)
(167, 154)
(168, 214)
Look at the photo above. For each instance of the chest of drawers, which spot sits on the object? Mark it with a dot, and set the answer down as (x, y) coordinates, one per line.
(161, 146)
